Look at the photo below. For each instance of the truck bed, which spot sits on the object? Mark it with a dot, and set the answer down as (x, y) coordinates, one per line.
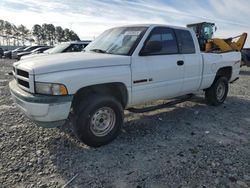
(212, 62)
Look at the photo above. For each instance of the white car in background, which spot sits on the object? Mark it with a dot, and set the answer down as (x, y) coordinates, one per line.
(64, 47)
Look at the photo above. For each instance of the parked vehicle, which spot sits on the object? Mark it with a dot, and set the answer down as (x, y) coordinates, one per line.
(62, 48)
(16, 51)
(245, 57)
(27, 49)
(35, 51)
(41, 49)
(1, 53)
(8, 53)
(123, 67)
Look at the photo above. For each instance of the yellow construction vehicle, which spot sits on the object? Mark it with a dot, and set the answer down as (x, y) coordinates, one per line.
(205, 31)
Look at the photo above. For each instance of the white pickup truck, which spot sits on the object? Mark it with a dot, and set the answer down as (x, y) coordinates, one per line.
(123, 67)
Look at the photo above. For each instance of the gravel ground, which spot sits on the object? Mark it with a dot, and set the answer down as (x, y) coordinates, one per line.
(188, 145)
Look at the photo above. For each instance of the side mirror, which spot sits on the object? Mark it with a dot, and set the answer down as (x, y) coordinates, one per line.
(151, 47)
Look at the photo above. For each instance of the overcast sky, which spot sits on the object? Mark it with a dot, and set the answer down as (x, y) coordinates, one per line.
(88, 18)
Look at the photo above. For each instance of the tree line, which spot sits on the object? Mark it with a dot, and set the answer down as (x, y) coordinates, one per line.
(39, 34)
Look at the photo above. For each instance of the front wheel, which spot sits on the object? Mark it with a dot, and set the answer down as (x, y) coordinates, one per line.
(217, 93)
(98, 120)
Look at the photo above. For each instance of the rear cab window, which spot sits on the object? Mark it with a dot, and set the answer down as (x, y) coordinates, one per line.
(185, 41)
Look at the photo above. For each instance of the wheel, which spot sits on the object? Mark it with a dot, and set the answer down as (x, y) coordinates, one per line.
(217, 93)
(98, 120)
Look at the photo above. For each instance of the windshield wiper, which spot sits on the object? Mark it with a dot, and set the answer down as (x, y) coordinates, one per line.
(98, 51)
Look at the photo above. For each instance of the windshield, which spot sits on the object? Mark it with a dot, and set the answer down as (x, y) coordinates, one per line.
(207, 31)
(118, 41)
(48, 51)
(35, 50)
(28, 49)
(20, 48)
(57, 49)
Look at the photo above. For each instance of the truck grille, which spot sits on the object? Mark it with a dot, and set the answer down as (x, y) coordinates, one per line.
(23, 83)
(22, 77)
(22, 73)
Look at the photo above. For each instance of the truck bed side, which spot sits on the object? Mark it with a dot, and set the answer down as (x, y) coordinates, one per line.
(213, 62)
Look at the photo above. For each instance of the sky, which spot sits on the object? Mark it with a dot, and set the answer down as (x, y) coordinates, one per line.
(89, 18)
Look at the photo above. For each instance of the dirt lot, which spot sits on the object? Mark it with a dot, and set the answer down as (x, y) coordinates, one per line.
(189, 145)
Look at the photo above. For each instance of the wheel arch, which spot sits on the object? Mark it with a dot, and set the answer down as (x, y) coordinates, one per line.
(116, 89)
(224, 72)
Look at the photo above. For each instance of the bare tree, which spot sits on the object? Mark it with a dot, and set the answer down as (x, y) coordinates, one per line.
(23, 33)
(73, 36)
(2, 30)
(59, 35)
(37, 32)
(7, 31)
(45, 34)
(66, 35)
(49, 31)
(15, 35)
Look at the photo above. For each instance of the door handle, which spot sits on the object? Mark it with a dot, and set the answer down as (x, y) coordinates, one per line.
(180, 63)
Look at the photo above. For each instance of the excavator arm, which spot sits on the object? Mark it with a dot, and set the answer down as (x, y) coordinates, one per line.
(226, 45)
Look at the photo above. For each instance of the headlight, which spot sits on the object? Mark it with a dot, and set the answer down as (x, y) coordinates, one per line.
(50, 89)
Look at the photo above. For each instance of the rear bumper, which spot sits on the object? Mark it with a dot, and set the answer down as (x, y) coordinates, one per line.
(45, 111)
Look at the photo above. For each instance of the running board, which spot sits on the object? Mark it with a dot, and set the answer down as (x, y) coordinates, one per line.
(165, 105)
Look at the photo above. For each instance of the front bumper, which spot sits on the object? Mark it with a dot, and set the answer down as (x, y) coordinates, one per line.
(44, 110)
(13, 55)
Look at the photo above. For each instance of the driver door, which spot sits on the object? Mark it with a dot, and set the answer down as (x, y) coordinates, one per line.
(159, 74)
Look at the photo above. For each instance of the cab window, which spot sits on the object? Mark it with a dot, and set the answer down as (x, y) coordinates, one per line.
(185, 41)
(167, 38)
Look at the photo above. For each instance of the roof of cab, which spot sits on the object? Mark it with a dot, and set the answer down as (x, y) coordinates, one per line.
(77, 42)
(156, 25)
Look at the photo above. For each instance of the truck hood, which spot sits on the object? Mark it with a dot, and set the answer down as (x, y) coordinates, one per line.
(33, 55)
(70, 61)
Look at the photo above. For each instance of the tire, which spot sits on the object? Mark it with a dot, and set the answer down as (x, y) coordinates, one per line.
(98, 120)
(217, 93)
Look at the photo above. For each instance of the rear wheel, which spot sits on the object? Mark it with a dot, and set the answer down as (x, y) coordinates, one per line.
(217, 93)
(98, 120)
